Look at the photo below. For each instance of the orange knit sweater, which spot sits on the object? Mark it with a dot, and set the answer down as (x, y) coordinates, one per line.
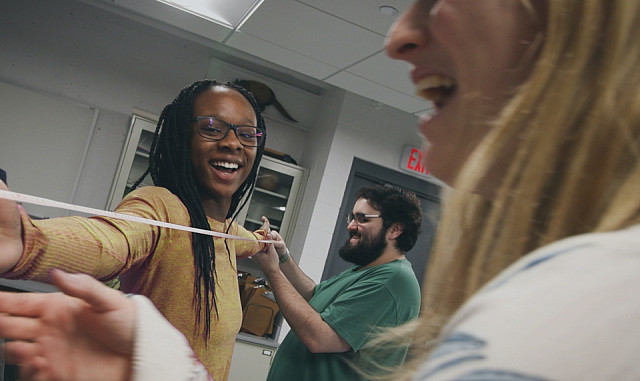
(149, 260)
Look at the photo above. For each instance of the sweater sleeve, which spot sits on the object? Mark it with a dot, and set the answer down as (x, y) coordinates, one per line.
(98, 246)
(161, 352)
(248, 248)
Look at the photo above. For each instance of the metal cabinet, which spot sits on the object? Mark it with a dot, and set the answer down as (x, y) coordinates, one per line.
(134, 159)
(250, 362)
(277, 196)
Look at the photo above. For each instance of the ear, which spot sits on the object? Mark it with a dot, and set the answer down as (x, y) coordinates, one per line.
(394, 231)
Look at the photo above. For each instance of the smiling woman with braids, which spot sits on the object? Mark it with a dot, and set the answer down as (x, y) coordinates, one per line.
(204, 159)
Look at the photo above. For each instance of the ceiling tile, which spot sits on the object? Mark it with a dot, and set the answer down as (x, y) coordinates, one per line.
(227, 12)
(279, 55)
(176, 18)
(312, 33)
(364, 13)
(339, 42)
(385, 71)
(377, 92)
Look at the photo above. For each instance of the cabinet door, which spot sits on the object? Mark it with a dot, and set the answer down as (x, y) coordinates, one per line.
(276, 196)
(134, 159)
(250, 362)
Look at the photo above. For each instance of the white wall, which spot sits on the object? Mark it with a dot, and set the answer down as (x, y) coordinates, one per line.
(112, 64)
(366, 130)
(73, 51)
(70, 50)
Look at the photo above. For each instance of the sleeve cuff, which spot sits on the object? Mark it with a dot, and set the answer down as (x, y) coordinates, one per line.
(161, 352)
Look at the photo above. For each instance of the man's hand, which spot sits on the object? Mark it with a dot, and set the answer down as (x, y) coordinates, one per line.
(10, 233)
(266, 225)
(269, 260)
(87, 333)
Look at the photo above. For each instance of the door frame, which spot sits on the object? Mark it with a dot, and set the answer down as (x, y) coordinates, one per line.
(376, 174)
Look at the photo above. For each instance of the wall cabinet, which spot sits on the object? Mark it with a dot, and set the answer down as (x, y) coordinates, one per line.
(250, 362)
(134, 159)
(277, 196)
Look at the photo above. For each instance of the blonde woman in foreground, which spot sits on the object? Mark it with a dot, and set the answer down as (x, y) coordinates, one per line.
(537, 129)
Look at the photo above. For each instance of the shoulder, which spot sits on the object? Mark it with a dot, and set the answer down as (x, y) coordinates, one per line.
(153, 202)
(397, 279)
(616, 249)
(398, 271)
(152, 193)
(586, 264)
(558, 305)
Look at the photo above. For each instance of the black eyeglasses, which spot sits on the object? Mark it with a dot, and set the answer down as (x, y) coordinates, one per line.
(215, 129)
(360, 217)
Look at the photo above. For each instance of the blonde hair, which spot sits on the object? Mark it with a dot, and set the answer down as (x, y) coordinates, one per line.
(576, 125)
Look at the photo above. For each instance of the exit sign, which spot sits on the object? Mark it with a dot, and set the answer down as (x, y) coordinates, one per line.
(412, 161)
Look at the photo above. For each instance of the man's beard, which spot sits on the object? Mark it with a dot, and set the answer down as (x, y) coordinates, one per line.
(366, 250)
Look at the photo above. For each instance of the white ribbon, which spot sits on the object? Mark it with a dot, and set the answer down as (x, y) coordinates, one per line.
(25, 198)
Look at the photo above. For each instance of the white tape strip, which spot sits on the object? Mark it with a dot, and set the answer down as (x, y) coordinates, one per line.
(19, 197)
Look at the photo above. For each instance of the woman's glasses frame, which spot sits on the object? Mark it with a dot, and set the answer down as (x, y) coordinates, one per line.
(248, 136)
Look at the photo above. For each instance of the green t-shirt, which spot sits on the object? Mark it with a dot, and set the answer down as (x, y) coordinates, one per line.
(354, 303)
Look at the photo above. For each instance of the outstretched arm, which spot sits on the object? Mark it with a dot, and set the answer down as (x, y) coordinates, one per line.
(10, 233)
(293, 289)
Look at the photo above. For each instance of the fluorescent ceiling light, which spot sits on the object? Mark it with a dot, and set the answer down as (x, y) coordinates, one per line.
(229, 13)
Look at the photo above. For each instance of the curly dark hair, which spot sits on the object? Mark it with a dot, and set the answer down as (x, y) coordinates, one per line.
(396, 205)
(170, 167)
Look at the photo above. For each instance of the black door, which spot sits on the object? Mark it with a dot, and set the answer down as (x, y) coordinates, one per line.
(364, 173)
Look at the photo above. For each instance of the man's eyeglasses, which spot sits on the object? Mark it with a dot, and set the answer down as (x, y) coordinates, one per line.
(215, 129)
(360, 217)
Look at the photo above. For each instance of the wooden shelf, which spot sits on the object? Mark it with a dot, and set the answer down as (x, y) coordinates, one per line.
(284, 121)
(142, 153)
(270, 193)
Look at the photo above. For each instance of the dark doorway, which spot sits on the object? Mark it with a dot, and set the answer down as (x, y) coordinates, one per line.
(364, 173)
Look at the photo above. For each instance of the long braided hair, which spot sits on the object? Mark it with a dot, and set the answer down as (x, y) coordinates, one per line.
(170, 167)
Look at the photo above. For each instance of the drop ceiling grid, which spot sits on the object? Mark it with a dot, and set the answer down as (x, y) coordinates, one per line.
(312, 33)
(363, 13)
(173, 17)
(385, 71)
(377, 92)
(280, 55)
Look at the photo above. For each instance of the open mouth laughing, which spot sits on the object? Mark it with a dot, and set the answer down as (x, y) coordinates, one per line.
(436, 88)
(225, 166)
(354, 236)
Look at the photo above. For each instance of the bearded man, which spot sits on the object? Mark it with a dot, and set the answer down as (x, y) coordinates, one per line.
(332, 322)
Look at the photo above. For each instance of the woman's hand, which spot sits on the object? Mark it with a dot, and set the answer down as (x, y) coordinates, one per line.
(87, 333)
(269, 260)
(10, 233)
